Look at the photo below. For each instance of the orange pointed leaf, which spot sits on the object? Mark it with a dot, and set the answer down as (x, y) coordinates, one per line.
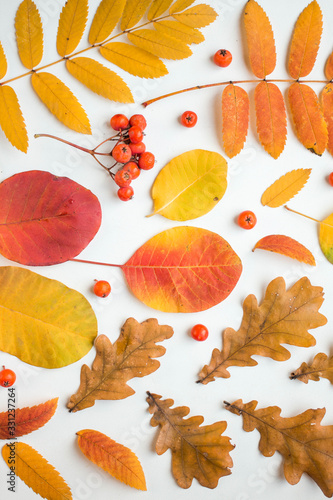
(320, 367)
(285, 188)
(3, 62)
(72, 23)
(105, 20)
(305, 41)
(327, 107)
(29, 34)
(235, 116)
(329, 67)
(285, 245)
(11, 119)
(116, 459)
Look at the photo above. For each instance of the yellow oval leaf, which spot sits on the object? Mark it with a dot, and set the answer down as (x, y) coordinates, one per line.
(190, 185)
(29, 34)
(198, 16)
(72, 22)
(11, 119)
(157, 8)
(159, 44)
(99, 79)
(60, 101)
(3, 62)
(180, 5)
(285, 188)
(287, 246)
(133, 12)
(235, 119)
(327, 107)
(35, 471)
(105, 20)
(116, 459)
(134, 60)
(179, 31)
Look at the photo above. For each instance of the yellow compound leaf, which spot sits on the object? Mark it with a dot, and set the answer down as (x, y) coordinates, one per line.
(190, 185)
(99, 79)
(60, 101)
(72, 23)
(285, 188)
(327, 107)
(180, 5)
(36, 472)
(320, 367)
(136, 61)
(329, 67)
(11, 119)
(199, 16)
(179, 31)
(133, 12)
(105, 20)
(3, 62)
(157, 8)
(159, 45)
(116, 459)
(29, 34)
(235, 119)
(305, 41)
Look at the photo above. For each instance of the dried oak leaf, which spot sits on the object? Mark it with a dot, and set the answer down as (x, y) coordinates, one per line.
(197, 452)
(130, 356)
(321, 367)
(283, 317)
(306, 445)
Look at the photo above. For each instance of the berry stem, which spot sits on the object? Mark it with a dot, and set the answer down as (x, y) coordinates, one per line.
(299, 213)
(96, 263)
(113, 138)
(90, 151)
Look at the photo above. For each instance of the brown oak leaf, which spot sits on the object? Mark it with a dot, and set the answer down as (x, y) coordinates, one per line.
(321, 367)
(130, 356)
(197, 451)
(283, 317)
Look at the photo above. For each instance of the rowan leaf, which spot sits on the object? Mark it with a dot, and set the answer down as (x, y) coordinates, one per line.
(157, 8)
(60, 101)
(179, 31)
(305, 41)
(183, 269)
(45, 219)
(190, 185)
(105, 20)
(235, 119)
(199, 452)
(133, 12)
(136, 61)
(320, 367)
(132, 355)
(3, 62)
(36, 472)
(271, 118)
(285, 245)
(29, 34)
(308, 118)
(20, 421)
(305, 445)
(260, 40)
(99, 79)
(329, 67)
(285, 188)
(11, 119)
(116, 459)
(327, 107)
(159, 45)
(72, 23)
(180, 5)
(50, 337)
(283, 317)
(199, 16)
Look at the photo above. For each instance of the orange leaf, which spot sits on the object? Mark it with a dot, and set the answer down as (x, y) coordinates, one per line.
(321, 367)
(3, 62)
(235, 115)
(260, 40)
(25, 420)
(29, 34)
(112, 457)
(305, 42)
(286, 246)
(327, 106)
(329, 67)
(271, 118)
(308, 118)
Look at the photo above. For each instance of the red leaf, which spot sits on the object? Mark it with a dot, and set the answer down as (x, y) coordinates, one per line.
(285, 245)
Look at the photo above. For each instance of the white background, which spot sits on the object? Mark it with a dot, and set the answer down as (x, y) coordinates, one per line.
(125, 227)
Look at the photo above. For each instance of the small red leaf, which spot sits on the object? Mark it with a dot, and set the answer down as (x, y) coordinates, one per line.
(285, 245)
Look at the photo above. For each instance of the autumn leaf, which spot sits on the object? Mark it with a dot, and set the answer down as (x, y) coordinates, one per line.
(305, 41)
(29, 34)
(105, 20)
(235, 119)
(305, 445)
(183, 269)
(199, 16)
(327, 107)
(180, 5)
(20, 421)
(190, 185)
(3, 63)
(198, 451)
(283, 317)
(43, 322)
(132, 355)
(320, 367)
(326, 237)
(133, 12)
(157, 8)
(329, 67)
(179, 31)
(36, 472)
(11, 119)
(285, 188)
(286, 246)
(72, 23)
(116, 459)
(159, 44)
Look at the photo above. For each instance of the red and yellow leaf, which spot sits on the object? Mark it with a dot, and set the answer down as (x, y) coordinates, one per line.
(11, 119)
(320, 367)
(3, 62)
(285, 245)
(235, 116)
(310, 125)
(116, 459)
(157, 8)
(327, 107)
(199, 16)
(29, 34)
(271, 118)
(159, 44)
(260, 40)
(133, 12)
(179, 31)
(285, 188)
(305, 41)
(105, 20)
(72, 23)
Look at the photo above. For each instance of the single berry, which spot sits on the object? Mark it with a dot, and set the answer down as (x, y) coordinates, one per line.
(123, 178)
(119, 122)
(135, 134)
(138, 120)
(199, 332)
(125, 193)
(247, 219)
(222, 58)
(146, 160)
(102, 288)
(122, 153)
(330, 179)
(188, 119)
(7, 377)
(137, 149)
(132, 168)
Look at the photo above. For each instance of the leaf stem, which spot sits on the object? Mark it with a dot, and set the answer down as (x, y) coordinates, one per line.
(96, 263)
(90, 151)
(299, 213)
